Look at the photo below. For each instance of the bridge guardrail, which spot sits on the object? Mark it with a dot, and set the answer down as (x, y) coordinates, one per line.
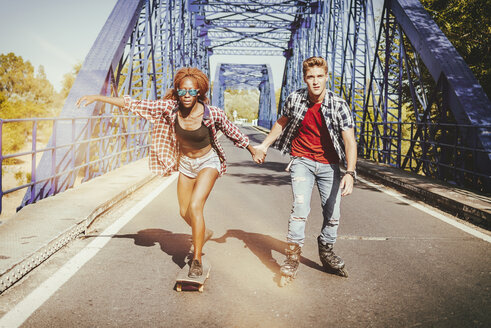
(433, 149)
(105, 152)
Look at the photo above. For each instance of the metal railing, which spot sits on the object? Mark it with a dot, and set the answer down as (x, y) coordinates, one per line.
(438, 150)
(110, 141)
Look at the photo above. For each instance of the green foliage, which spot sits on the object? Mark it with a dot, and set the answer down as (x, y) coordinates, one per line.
(68, 80)
(277, 96)
(15, 135)
(467, 24)
(18, 81)
(244, 102)
(23, 94)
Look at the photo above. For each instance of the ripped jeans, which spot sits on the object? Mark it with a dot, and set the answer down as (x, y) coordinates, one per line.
(304, 173)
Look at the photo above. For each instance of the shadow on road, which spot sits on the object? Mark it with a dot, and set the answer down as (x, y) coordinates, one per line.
(265, 179)
(176, 245)
(271, 166)
(268, 178)
(254, 136)
(263, 246)
(366, 187)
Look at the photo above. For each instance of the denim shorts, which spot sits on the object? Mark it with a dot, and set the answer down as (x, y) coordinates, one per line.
(190, 167)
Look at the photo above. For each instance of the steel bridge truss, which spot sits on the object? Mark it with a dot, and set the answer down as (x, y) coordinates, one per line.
(378, 61)
(137, 53)
(381, 63)
(247, 76)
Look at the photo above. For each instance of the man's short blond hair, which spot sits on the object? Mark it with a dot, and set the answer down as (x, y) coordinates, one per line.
(314, 62)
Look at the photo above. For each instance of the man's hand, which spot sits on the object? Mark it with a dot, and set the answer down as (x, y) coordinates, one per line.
(260, 154)
(347, 185)
(87, 99)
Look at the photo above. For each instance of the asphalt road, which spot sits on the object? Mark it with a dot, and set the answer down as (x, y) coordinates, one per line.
(406, 267)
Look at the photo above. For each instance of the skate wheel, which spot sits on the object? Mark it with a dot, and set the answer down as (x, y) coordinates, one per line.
(284, 280)
(179, 287)
(343, 273)
(201, 288)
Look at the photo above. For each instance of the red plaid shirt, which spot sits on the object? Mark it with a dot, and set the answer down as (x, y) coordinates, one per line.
(164, 150)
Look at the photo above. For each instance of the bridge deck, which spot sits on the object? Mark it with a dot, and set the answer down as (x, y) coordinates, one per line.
(406, 266)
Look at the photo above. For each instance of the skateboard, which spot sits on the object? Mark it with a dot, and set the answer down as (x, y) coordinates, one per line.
(183, 282)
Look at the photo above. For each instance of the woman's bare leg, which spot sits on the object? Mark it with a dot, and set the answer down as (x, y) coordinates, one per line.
(193, 213)
(185, 187)
(202, 188)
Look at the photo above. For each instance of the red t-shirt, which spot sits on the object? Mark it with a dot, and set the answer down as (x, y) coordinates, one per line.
(313, 140)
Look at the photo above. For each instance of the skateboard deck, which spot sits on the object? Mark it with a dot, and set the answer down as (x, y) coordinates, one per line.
(183, 282)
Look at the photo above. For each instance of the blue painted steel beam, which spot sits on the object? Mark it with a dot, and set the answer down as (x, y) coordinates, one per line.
(465, 95)
(137, 52)
(462, 91)
(236, 27)
(271, 7)
(247, 76)
(248, 23)
(104, 54)
(144, 42)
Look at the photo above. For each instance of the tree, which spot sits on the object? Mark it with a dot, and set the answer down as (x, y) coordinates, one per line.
(19, 82)
(467, 24)
(23, 94)
(68, 80)
(245, 102)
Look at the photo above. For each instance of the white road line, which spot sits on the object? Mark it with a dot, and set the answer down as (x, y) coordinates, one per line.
(24, 309)
(436, 214)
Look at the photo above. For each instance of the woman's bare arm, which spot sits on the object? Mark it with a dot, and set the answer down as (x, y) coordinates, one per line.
(89, 99)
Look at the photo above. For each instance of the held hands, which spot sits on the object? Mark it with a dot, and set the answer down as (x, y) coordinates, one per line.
(347, 185)
(88, 100)
(259, 154)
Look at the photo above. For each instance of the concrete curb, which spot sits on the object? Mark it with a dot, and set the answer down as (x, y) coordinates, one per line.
(461, 203)
(21, 264)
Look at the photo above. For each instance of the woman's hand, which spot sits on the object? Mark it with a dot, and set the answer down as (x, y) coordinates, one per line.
(89, 99)
(251, 150)
(260, 153)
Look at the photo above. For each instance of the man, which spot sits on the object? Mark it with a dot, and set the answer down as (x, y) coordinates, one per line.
(313, 127)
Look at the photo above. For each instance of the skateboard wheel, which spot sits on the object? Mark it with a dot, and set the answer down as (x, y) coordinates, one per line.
(201, 288)
(284, 280)
(179, 287)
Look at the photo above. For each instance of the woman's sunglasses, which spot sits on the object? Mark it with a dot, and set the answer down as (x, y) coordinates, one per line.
(192, 92)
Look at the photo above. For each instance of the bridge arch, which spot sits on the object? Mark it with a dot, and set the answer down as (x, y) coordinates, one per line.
(376, 64)
(247, 76)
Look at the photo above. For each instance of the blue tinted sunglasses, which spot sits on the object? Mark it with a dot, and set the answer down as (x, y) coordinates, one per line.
(192, 92)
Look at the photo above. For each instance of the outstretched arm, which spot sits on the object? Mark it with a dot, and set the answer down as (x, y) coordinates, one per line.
(275, 132)
(151, 110)
(116, 101)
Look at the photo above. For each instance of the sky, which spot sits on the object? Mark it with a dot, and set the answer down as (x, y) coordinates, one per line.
(54, 33)
(58, 34)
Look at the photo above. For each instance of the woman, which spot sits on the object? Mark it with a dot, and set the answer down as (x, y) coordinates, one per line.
(184, 138)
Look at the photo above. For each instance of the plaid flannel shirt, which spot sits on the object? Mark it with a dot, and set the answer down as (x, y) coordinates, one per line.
(335, 111)
(164, 150)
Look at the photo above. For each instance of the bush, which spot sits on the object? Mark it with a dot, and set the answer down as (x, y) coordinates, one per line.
(244, 102)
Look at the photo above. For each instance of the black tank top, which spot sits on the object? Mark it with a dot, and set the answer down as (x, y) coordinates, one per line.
(194, 139)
